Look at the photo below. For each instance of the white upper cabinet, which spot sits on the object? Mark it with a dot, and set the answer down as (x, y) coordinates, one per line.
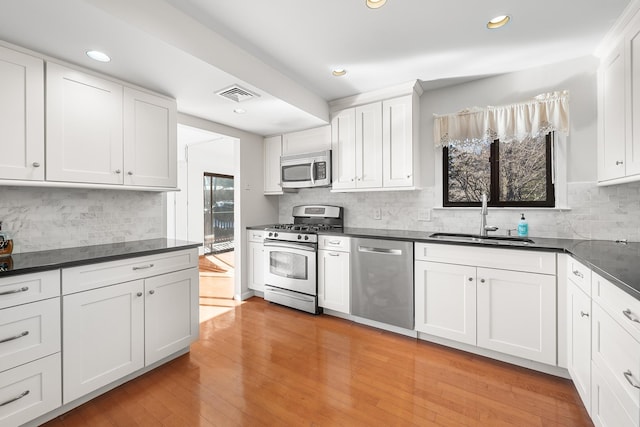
(149, 139)
(272, 151)
(21, 116)
(375, 145)
(619, 109)
(307, 141)
(84, 127)
(398, 142)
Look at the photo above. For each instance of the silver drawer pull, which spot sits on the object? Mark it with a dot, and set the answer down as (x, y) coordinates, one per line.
(333, 254)
(629, 315)
(143, 267)
(577, 273)
(23, 394)
(15, 337)
(15, 291)
(629, 377)
(334, 242)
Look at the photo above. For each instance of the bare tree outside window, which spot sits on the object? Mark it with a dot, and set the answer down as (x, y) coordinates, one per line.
(515, 173)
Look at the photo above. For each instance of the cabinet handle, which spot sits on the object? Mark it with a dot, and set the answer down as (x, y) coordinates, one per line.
(629, 377)
(36, 164)
(470, 279)
(15, 337)
(577, 273)
(15, 291)
(334, 242)
(130, 173)
(117, 171)
(142, 267)
(481, 280)
(619, 162)
(629, 315)
(333, 254)
(20, 396)
(151, 292)
(583, 314)
(139, 294)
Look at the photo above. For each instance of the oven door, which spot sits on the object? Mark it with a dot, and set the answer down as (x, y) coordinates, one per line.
(291, 265)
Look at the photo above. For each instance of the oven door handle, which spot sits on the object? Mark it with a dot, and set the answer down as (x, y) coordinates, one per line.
(289, 245)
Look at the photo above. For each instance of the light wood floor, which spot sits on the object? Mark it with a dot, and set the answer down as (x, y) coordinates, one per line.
(265, 365)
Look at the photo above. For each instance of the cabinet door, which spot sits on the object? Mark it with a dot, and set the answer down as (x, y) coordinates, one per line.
(272, 152)
(397, 142)
(307, 141)
(103, 337)
(334, 281)
(607, 410)
(611, 141)
(84, 127)
(21, 116)
(256, 266)
(369, 146)
(343, 146)
(579, 346)
(517, 314)
(446, 300)
(171, 313)
(150, 127)
(632, 50)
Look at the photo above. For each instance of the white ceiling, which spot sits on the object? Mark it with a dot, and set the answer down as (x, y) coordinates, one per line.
(284, 50)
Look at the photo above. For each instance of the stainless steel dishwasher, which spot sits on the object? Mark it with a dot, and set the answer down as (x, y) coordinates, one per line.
(382, 281)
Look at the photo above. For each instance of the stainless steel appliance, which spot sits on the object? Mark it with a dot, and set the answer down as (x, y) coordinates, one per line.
(306, 170)
(290, 272)
(382, 281)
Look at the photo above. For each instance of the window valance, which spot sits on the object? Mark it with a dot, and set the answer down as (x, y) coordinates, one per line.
(544, 113)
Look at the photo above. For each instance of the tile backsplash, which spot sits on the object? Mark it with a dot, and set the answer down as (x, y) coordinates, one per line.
(51, 218)
(602, 213)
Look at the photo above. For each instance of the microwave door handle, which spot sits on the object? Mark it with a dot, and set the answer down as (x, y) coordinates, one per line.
(313, 163)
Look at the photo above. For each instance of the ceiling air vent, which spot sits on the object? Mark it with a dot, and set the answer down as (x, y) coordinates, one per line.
(237, 93)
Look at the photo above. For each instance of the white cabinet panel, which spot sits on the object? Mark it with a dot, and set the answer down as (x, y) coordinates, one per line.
(103, 337)
(30, 390)
(445, 298)
(579, 345)
(84, 127)
(29, 332)
(606, 408)
(397, 142)
(368, 147)
(517, 314)
(611, 147)
(272, 152)
(307, 141)
(171, 313)
(334, 280)
(256, 266)
(632, 89)
(150, 146)
(21, 116)
(343, 146)
(27, 288)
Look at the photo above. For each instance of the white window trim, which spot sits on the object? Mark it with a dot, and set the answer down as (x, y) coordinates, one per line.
(560, 168)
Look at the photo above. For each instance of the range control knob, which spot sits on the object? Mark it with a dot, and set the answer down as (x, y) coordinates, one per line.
(299, 237)
(270, 234)
(306, 237)
(275, 234)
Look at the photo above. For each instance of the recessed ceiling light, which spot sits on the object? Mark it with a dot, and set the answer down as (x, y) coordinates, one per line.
(498, 21)
(239, 111)
(338, 72)
(98, 56)
(374, 4)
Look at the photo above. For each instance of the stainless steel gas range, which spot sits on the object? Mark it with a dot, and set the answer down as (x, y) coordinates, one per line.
(291, 256)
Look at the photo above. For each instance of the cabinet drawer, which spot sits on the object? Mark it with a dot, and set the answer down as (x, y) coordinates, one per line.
(93, 276)
(15, 290)
(255, 235)
(624, 308)
(617, 356)
(505, 259)
(579, 274)
(606, 408)
(30, 390)
(334, 243)
(28, 332)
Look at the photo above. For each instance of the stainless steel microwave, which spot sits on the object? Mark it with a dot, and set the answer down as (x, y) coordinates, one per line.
(306, 170)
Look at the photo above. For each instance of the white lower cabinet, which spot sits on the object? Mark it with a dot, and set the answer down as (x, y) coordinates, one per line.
(112, 331)
(334, 280)
(30, 390)
(255, 250)
(579, 337)
(512, 312)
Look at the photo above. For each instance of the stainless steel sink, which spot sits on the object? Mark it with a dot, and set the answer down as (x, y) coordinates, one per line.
(476, 238)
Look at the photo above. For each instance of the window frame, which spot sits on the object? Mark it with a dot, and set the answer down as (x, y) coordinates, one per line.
(494, 160)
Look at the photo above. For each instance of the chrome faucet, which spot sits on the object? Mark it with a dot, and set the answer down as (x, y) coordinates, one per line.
(484, 211)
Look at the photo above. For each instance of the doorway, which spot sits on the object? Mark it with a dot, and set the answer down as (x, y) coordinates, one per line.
(218, 213)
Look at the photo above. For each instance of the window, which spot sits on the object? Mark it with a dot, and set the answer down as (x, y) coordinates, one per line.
(515, 173)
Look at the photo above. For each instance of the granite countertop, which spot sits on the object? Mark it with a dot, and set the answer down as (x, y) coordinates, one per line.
(31, 262)
(616, 262)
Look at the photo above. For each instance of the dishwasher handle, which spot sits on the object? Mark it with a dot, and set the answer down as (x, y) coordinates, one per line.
(384, 251)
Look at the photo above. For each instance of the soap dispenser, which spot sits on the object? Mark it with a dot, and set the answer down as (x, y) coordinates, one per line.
(523, 226)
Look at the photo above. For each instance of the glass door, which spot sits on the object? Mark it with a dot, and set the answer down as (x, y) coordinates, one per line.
(218, 213)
